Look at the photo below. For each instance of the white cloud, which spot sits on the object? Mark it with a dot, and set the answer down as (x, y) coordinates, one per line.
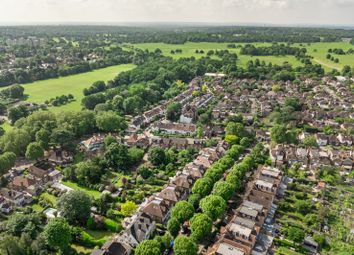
(245, 11)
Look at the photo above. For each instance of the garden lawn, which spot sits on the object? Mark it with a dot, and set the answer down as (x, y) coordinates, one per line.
(37, 208)
(81, 249)
(40, 91)
(50, 198)
(286, 251)
(99, 234)
(91, 192)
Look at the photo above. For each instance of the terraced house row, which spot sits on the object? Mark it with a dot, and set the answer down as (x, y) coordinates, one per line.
(156, 208)
(250, 230)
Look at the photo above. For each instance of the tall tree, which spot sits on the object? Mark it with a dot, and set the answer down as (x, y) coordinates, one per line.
(34, 151)
(185, 245)
(57, 233)
(75, 206)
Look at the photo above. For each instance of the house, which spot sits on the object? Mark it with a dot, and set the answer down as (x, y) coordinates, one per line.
(39, 173)
(226, 246)
(94, 143)
(60, 157)
(172, 194)
(5, 206)
(187, 117)
(138, 140)
(203, 161)
(183, 181)
(157, 208)
(345, 139)
(322, 139)
(175, 128)
(262, 136)
(153, 113)
(139, 228)
(55, 176)
(302, 156)
(27, 184)
(23, 182)
(13, 197)
(137, 121)
(113, 248)
(310, 245)
(277, 155)
(194, 169)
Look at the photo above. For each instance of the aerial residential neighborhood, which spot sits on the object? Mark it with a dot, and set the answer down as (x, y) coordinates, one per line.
(176, 128)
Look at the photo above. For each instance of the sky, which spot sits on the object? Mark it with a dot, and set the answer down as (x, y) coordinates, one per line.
(277, 12)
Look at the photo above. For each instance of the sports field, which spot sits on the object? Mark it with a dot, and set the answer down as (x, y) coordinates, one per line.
(40, 91)
(317, 50)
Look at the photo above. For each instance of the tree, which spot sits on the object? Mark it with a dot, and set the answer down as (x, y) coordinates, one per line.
(202, 186)
(164, 241)
(7, 161)
(201, 226)
(63, 137)
(16, 113)
(2, 109)
(110, 122)
(18, 224)
(157, 156)
(302, 206)
(295, 234)
(14, 91)
(223, 189)
(75, 207)
(173, 226)
(184, 245)
(194, 200)
(245, 142)
(90, 101)
(117, 156)
(88, 172)
(173, 111)
(10, 245)
(280, 134)
(43, 138)
(310, 141)
(135, 155)
(182, 211)
(148, 247)
(57, 233)
(34, 151)
(145, 172)
(128, 208)
(231, 139)
(15, 141)
(214, 206)
(237, 129)
(108, 140)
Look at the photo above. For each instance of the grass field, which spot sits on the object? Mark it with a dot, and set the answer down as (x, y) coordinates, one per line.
(40, 91)
(320, 50)
(317, 50)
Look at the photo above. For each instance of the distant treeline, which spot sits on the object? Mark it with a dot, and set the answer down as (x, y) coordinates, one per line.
(177, 35)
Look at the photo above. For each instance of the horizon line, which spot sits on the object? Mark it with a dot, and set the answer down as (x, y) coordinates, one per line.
(174, 23)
